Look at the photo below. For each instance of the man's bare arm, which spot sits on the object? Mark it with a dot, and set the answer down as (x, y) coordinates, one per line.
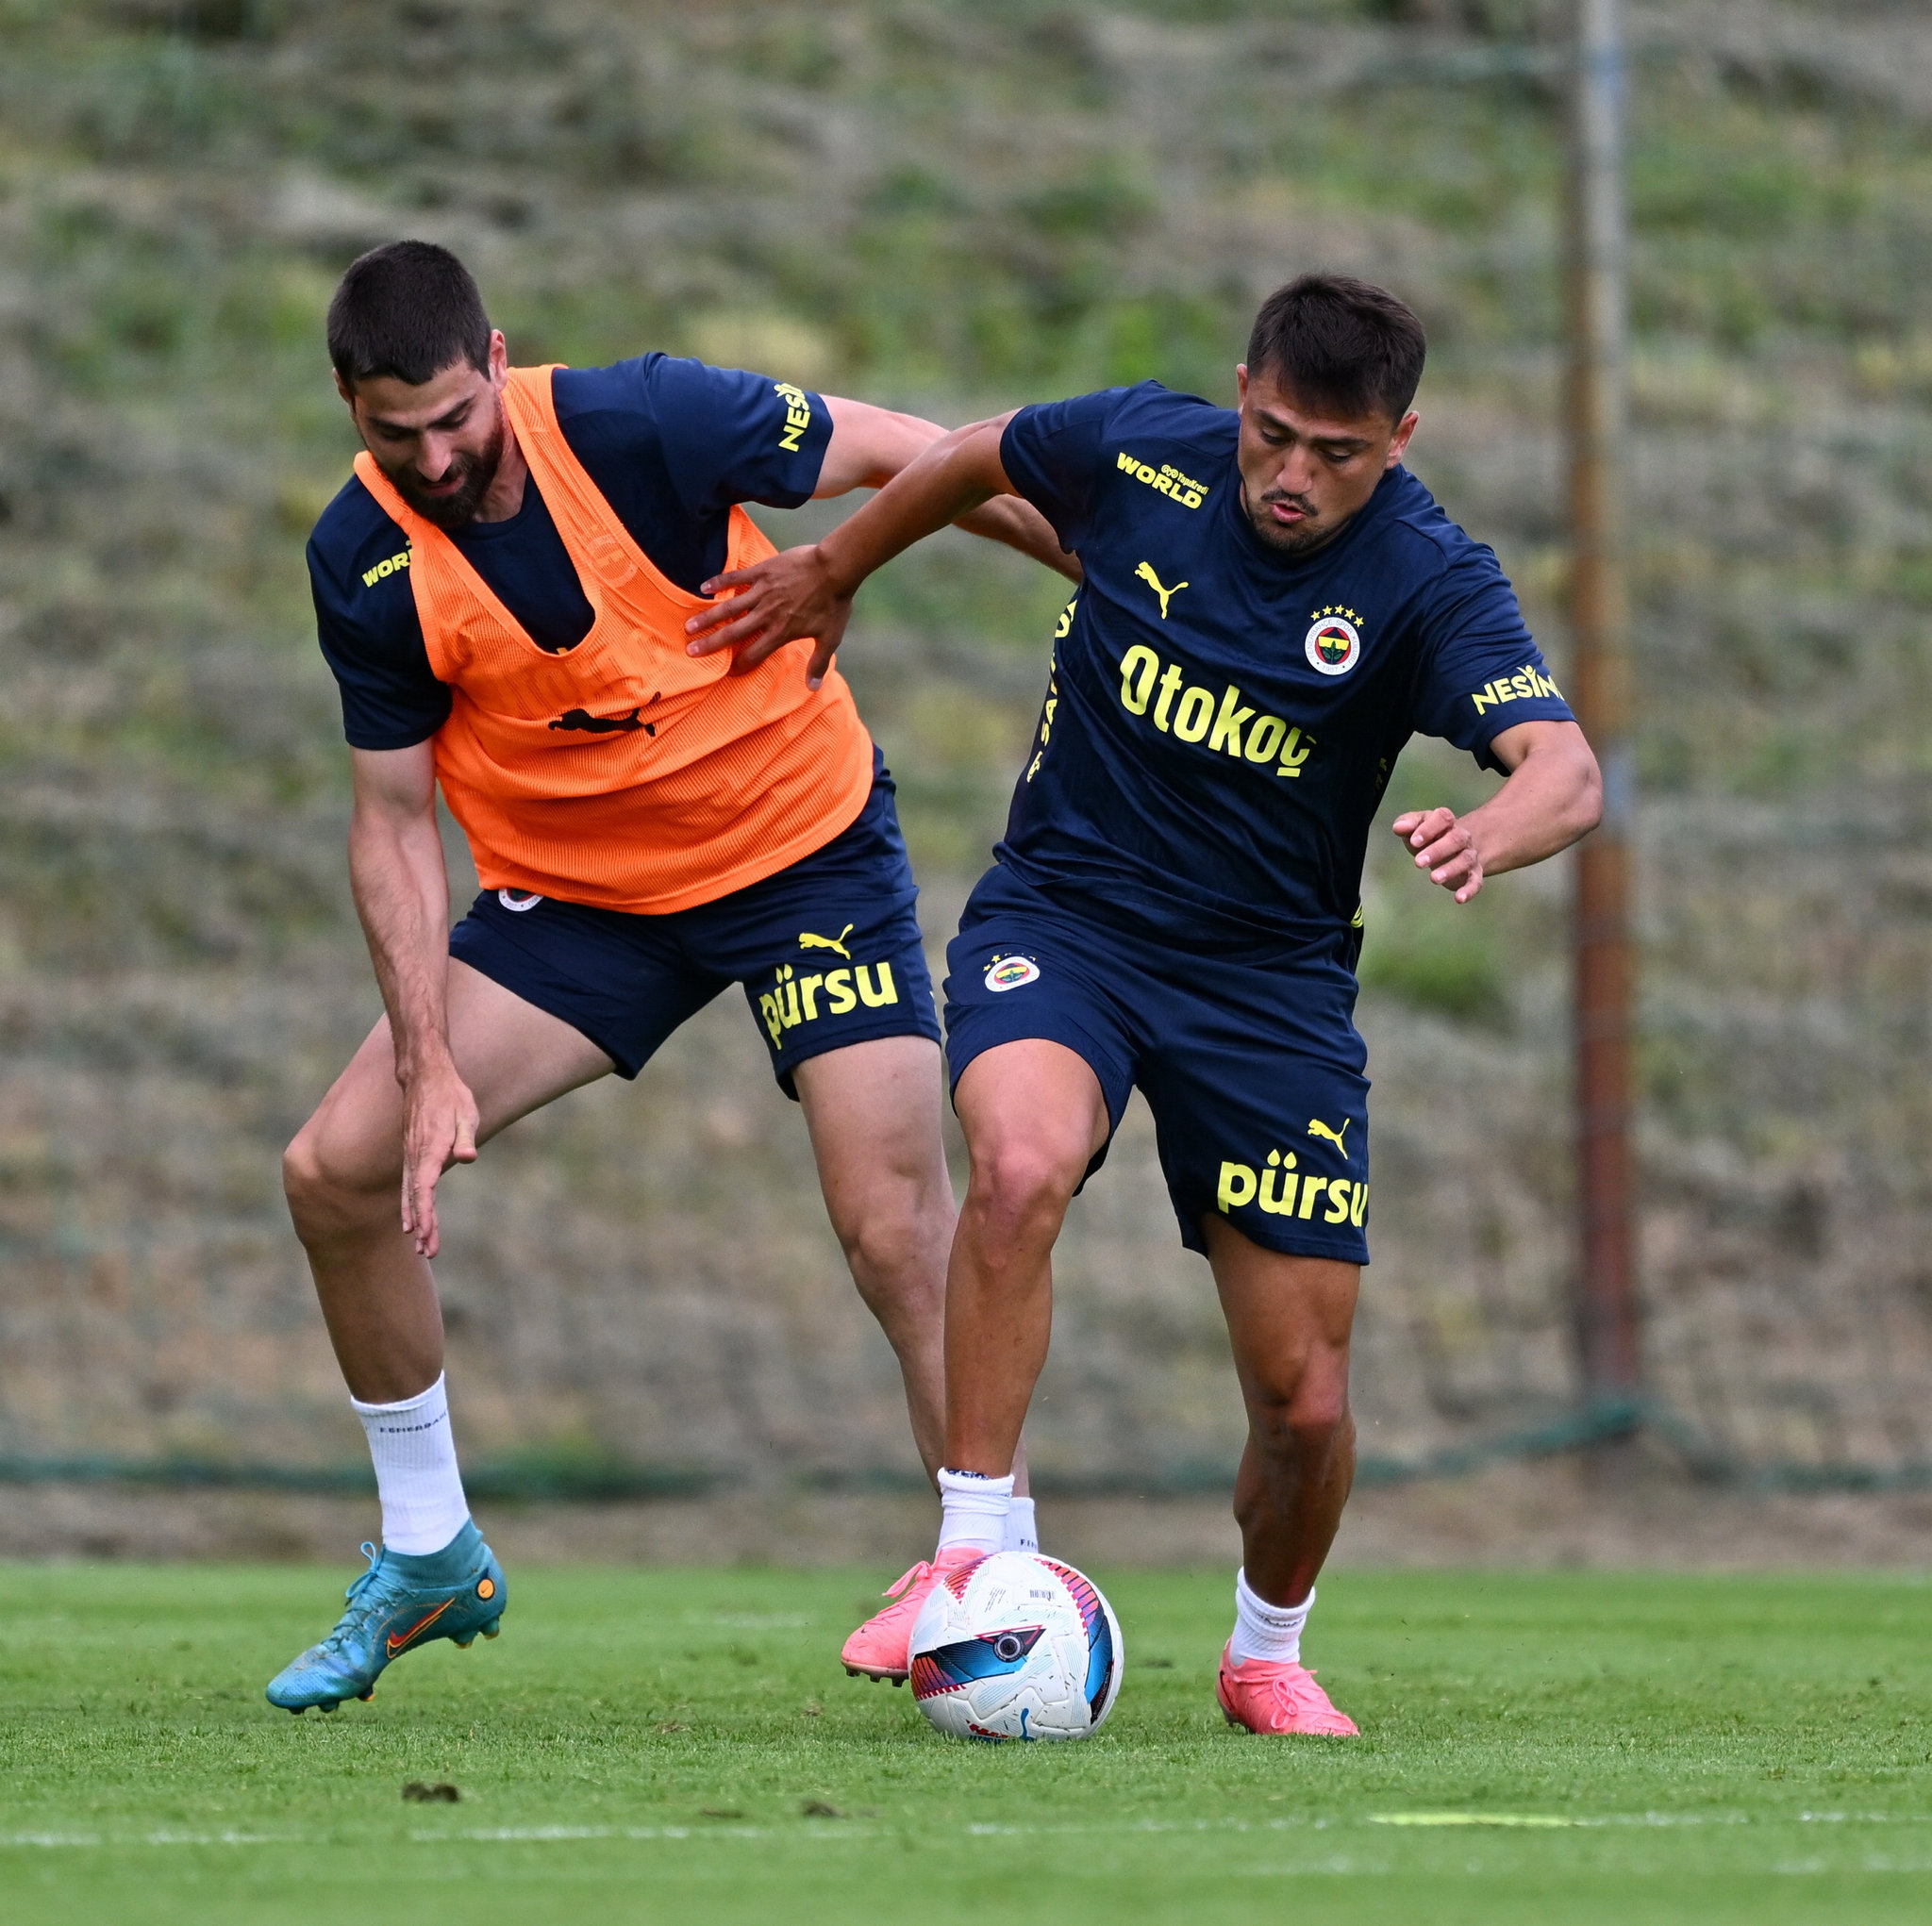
(402, 895)
(1553, 794)
(809, 590)
(870, 445)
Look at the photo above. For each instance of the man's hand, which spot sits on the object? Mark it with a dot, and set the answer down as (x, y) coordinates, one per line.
(402, 895)
(786, 598)
(1445, 846)
(1552, 795)
(807, 592)
(439, 1130)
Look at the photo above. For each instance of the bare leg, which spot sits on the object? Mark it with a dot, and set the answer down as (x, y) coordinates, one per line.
(1034, 1116)
(873, 1110)
(343, 1178)
(1289, 1319)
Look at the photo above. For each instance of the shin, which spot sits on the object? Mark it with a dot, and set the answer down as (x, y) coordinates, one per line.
(1034, 1118)
(874, 1112)
(1289, 1319)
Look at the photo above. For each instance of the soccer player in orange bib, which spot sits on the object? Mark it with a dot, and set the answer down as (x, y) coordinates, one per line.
(501, 592)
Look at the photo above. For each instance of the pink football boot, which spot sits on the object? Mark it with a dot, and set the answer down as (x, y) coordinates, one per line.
(882, 1647)
(1270, 1698)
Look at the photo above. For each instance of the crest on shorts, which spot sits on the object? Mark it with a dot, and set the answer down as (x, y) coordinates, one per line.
(519, 900)
(1334, 642)
(1012, 973)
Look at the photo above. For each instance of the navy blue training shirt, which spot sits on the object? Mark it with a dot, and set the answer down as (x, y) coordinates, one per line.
(670, 444)
(1221, 717)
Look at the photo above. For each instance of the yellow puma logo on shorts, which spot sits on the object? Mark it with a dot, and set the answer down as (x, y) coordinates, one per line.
(1316, 1128)
(807, 941)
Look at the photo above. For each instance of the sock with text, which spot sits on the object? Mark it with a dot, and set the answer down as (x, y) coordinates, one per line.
(416, 1474)
(1266, 1632)
(973, 1517)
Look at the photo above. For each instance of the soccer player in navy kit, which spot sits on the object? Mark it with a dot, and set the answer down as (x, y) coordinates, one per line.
(1272, 605)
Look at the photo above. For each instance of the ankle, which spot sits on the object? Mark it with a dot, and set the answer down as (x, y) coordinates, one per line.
(973, 1512)
(456, 1557)
(1270, 1633)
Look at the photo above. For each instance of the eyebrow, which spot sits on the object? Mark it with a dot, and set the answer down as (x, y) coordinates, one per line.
(1287, 427)
(446, 419)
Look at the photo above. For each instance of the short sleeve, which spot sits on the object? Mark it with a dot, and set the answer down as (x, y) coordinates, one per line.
(1480, 672)
(374, 645)
(1053, 453)
(731, 437)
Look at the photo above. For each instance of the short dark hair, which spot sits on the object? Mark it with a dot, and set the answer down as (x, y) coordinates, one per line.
(1341, 344)
(405, 311)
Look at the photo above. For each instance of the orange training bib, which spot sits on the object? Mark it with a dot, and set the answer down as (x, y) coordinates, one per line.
(622, 772)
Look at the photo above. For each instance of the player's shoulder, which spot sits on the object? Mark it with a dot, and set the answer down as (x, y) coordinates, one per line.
(359, 564)
(648, 388)
(1417, 532)
(693, 416)
(1146, 412)
(1148, 407)
(1143, 436)
(624, 388)
(355, 537)
(1166, 423)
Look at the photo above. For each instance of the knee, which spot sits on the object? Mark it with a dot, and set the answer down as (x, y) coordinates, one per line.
(894, 1238)
(1301, 1413)
(323, 1198)
(1021, 1185)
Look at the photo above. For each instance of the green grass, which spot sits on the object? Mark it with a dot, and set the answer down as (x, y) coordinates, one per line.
(646, 1745)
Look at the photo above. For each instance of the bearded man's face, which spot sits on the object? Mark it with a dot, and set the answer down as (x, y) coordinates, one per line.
(441, 444)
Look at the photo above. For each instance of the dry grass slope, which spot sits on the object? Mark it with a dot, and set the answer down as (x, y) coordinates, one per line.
(956, 206)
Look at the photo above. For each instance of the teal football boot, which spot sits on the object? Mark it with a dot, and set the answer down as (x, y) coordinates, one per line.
(397, 1604)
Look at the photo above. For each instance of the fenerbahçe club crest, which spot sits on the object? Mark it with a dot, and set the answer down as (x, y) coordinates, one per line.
(1334, 643)
(1012, 973)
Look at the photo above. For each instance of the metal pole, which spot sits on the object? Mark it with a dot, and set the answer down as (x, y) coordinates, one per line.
(1607, 1311)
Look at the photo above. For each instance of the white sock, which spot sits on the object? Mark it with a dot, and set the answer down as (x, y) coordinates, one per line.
(1023, 1529)
(1264, 1631)
(416, 1475)
(974, 1511)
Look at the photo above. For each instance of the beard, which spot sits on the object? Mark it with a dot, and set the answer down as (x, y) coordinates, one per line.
(454, 509)
(1302, 539)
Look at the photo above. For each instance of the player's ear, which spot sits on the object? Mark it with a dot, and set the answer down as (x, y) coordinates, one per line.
(342, 389)
(499, 358)
(1241, 383)
(1398, 444)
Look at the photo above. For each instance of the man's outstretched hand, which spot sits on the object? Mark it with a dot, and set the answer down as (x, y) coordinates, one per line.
(1445, 846)
(786, 598)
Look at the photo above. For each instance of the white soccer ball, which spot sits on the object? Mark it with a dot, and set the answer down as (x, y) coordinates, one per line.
(1016, 1646)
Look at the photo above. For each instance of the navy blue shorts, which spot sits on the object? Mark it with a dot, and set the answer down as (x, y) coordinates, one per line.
(1253, 1069)
(828, 951)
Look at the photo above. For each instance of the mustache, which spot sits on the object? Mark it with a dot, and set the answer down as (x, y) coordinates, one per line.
(471, 470)
(459, 504)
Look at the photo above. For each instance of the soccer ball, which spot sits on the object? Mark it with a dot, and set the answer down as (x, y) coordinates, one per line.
(1016, 1646)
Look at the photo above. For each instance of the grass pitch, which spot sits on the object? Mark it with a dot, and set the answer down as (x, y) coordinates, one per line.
(682, 1745)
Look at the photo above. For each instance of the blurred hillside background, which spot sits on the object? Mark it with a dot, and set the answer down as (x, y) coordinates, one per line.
(955, 208)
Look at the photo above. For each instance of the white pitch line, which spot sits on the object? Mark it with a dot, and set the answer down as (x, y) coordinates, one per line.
(1476, 1818)
(539, 1835)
